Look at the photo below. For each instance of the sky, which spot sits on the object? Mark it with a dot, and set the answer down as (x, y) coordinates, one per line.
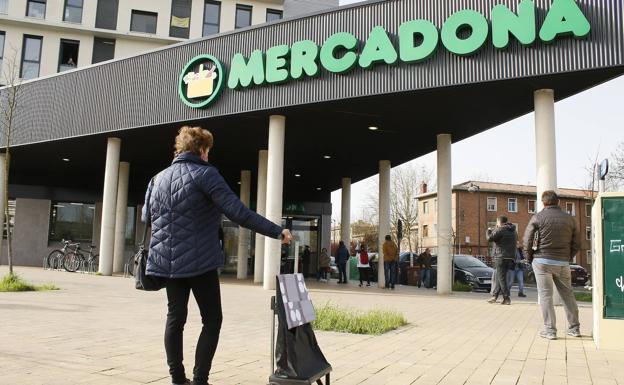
(589, 125)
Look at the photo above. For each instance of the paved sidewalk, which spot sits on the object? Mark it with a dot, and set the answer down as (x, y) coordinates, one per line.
(99, 330)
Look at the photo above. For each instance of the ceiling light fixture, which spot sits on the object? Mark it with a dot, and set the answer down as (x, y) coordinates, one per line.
(327, 156)
(65, 159)
(298, 175)
(373, 128)
(318, 189)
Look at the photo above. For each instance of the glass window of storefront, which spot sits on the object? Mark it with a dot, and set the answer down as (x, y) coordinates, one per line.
(71, 221)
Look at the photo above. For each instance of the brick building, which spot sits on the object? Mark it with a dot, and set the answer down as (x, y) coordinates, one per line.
(476, 205)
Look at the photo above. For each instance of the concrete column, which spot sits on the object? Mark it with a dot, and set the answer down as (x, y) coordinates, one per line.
(275, 189)
(261, 209)
(384, 215)
(119, 255)
(109, 206)
(444, 235)
(243, 233)
(545, 151)
(345, 216)
(545, 143)
(2, 197)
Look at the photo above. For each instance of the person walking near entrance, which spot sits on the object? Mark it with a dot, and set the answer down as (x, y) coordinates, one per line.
(550, 242)
(505, 239)
(390, 256)
(364, 266)
(306, 260)
(517, 274)
(324, 261)
(342, 258)
(424, 263)
(186, 202)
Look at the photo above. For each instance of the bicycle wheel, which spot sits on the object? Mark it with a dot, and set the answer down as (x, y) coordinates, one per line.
(71, 262)
(52, 258)
(93, 264)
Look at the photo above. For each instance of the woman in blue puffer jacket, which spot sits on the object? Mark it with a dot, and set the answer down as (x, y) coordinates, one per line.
(186, 202)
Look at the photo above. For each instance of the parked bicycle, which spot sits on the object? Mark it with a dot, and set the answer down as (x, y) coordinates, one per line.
(54, 260)
(76, 260)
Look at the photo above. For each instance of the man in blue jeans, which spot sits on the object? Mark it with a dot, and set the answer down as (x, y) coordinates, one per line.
(390, 257)
(551, 241)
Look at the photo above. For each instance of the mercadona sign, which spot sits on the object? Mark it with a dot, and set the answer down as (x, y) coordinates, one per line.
(203, 78)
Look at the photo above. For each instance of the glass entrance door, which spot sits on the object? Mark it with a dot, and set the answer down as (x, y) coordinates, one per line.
(306, 236)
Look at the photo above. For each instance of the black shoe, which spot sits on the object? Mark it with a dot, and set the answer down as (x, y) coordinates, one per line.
(368, 284)
(187, 382)
(506, 301)
(360, 285)
(521, 295)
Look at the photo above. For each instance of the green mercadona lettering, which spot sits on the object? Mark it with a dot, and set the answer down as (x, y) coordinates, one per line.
(418, 40)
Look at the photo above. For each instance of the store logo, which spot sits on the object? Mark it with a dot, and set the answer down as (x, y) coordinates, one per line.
(418, 40)
(201, 81)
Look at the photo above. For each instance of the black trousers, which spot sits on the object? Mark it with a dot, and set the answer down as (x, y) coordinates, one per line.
(207, 294)
(502, 266)
(342, 272)
(364, 274)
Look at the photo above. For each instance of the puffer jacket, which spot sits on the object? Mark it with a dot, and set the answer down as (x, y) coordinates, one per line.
(557, 235)
(342, 255)
(505, 240)
(186, 204)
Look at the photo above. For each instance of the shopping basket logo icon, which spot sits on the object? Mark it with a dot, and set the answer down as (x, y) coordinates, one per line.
(201, 81)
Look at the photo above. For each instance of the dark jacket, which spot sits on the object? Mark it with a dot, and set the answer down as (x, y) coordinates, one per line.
(187, 201)
(342, 255)
(424, 261)
(505, 240)
(557, 235)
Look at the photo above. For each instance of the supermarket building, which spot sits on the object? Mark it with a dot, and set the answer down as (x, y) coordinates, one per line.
(300, 107)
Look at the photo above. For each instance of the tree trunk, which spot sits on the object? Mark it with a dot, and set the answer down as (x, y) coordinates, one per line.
(7, 214)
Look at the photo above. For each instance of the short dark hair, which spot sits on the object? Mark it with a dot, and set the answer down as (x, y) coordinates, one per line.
(388, 238)
(341, 243)
(550, 198)
(503, 219)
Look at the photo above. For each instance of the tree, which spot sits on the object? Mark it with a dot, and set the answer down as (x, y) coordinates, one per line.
(405, 184)
(616, 172)
(9, 101)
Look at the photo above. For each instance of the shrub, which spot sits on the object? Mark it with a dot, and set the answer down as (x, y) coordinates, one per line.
(583, 296)
(12, 282)
(458, 286)
(376, 322)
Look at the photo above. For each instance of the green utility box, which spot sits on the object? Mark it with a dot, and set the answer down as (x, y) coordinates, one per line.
(608, 270)
(613, 246)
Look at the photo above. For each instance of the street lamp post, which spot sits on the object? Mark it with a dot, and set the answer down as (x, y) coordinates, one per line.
(472, 189)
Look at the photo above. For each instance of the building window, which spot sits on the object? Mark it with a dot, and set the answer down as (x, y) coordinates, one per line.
(588, 254)
(36, 8)
(4, 6)
(492, 204)
(2, 38)
(243, 16)
(588, 210)
(31, 57)
(532, 206)
(180, 18)
(71, 221)
(588, 233)
(106, 16)
(11, 222)
(142, 21)
(68, 55)
(273, 14)
(103, 49)
(570, 209)
(425, 207)
(512, 205)
(73, 11)
(425, 231)
(212, 17)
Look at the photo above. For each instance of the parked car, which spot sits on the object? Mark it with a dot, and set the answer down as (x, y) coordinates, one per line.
(580, 276)
(468, 270)
(404, 263)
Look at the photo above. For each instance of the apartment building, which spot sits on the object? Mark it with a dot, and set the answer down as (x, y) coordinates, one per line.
(50, 36)
(476, 205)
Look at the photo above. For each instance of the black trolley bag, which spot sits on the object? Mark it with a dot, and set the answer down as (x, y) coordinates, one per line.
(299, 359)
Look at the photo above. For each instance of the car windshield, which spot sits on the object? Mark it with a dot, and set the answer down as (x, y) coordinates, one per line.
(465, 261)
